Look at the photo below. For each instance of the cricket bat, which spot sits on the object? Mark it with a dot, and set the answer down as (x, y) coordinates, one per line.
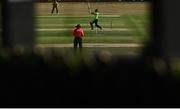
(89, 7)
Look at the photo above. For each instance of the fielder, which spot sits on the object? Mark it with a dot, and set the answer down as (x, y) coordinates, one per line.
(55, 6)
(95, 21)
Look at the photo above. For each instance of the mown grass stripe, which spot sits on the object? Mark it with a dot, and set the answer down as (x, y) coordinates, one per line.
(65, 29)
(65, 16)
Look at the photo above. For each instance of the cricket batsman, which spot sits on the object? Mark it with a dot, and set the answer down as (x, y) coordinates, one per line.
(95, 21)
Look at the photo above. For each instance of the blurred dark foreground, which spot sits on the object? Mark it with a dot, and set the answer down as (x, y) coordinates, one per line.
(58, 79)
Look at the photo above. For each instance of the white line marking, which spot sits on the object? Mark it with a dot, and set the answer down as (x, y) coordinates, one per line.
(90, 45)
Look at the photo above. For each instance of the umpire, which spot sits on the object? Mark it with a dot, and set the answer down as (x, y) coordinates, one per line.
(78, 33)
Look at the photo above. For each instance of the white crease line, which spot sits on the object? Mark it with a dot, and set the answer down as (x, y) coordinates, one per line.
(89, 45)
(75, 16)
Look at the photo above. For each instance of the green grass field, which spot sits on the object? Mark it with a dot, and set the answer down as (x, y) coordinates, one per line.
(122, 23)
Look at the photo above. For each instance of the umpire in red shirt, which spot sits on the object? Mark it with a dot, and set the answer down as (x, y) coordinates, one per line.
(78, 33)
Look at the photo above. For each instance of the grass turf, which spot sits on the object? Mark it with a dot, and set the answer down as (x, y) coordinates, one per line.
(121, 22)
(123, 29)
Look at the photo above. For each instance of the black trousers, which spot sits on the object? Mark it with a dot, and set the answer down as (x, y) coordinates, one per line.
(55, 7)
(77, 41)
(96, 24)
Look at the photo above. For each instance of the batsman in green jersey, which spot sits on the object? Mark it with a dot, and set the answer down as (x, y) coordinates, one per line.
(95, 21)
